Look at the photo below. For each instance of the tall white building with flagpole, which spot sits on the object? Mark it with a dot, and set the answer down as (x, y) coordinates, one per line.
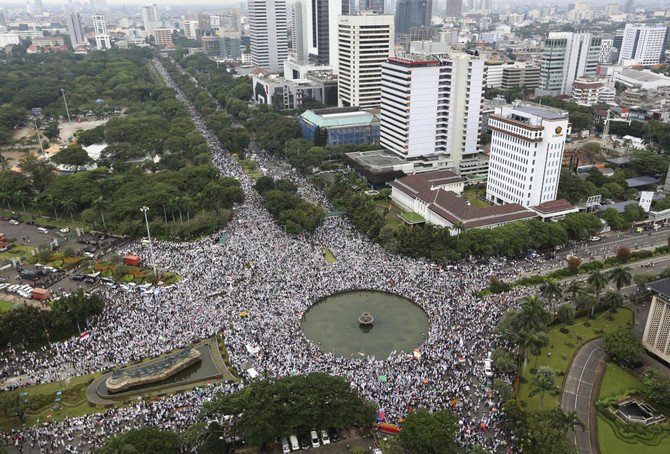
(100, 30)
(269, 34)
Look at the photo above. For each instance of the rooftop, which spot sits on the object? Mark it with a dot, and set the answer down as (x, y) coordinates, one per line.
(339, 117)
(642, 76)
(553, 206)
(641, 181)
(662, 287)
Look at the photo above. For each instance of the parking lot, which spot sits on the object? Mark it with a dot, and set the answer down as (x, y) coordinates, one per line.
(28, 237)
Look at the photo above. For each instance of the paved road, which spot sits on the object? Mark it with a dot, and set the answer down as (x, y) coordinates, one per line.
(580, 392)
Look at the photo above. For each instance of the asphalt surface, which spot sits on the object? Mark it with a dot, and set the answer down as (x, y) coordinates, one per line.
(579, 393)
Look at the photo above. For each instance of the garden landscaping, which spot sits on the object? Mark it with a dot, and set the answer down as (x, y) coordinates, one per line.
(136, 274)
(616, 437)
(561, 349)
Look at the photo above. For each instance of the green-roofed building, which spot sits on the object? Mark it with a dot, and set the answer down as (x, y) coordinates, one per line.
(344, 125)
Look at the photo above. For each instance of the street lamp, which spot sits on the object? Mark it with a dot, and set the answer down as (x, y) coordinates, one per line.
(39, 139)
(62, 90)
(144, 209)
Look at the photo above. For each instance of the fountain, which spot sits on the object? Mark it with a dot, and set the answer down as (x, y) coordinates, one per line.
(366, 319)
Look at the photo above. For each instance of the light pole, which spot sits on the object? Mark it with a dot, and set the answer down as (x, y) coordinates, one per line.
(39, 139)
(62, 90)
(144, 209)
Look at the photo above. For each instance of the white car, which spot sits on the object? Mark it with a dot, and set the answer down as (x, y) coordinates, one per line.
(315, 439)
(43, 230)
(65, 230)
(595, 238)
(324, 437)
(14, 222)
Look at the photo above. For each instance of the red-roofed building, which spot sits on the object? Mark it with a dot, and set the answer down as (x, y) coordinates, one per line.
(433, 196)
(554, 210)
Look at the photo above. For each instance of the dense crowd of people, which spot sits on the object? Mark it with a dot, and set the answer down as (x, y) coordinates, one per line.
(275, 278)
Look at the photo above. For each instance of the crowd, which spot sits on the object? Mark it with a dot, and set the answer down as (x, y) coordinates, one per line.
(274, 278)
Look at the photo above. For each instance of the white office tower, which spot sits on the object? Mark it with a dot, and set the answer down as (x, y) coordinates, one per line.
(190, 27)
(100, 30)
(150, 15)
(365, 42)
(526, 154)
(643, 44)
(320, 22)
(432, 106)
(269, 40)
(566, 57)
(298, 35)
(74, 27)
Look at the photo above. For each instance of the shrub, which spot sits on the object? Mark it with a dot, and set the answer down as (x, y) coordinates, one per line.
(128, 278)
(623, 254)
(57, 263)
(31, 260)
(592, 266)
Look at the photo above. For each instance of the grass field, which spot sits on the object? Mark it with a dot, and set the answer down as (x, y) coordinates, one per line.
(330, 258)
(471, 196)
(16, 252)
(617, 381)
(73, 401)
(610, 444)
(6, 306)
(48, 220)
(561, 352)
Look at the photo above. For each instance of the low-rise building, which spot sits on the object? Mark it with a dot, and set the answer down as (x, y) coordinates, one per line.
(641, 79)
(344, 125)
(520, 75)
(283, 93)
(586, 92)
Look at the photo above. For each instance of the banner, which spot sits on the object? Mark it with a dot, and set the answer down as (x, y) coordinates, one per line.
(645, 200)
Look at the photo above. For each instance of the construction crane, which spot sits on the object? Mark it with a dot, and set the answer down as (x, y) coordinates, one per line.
(606, 128)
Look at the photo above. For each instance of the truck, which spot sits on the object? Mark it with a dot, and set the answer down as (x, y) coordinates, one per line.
(41, 294)
(131, 260)
(3, 237)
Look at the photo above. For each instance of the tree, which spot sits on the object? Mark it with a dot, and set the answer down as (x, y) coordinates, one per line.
(575, 288)
(657, 386)
(613, 299)
(69, 206)
(532, 342)
(100, 205)
(623, 254)
(147, 440)
(73, 155)
(551, 290)
(504, 360)
(621, 276)
(623, 346)
(533, 317)
(424, 432)
(573, 264)
(566, 421)
(566, 313)
(542, 384)
(280, 406)
(14, 404)
(597, 281)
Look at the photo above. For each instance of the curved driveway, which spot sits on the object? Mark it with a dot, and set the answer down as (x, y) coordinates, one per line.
(580, 391)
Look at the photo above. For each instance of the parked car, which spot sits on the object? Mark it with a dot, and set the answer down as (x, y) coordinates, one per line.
(324, 437)
(78, 277)
(595, 238)
(43, 230)
(314, 437)
(65, 230)
(14, 222)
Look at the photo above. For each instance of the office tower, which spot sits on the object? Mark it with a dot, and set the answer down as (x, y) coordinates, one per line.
(432, 106)
(150, 15)
(656, 337)
(643, 43)
(100, 30)
(230, 20)
(527, 143)
(190, 28)
(298, 35)
(365, 42)
(74, 28)
(412, 13)
(372, 5)
(321, 22)
(611, 9)
(162, 37)
(269, 41)
(566, 57)
(454, 8)
(605, 50)
(3, 21)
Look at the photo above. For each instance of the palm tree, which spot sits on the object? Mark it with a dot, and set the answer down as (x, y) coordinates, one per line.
(533, 342)
(51, 200)
(6, 197)
(575, 288)
(621, 276)
(101, 205)
(543, 384)
(164, 200)
(588, 302)
(172, 206)
(21, 197)
(597, 281)
(551, 290)
(566, 312)
(565, 421)
(613, 299)
(35, 202)
(201, 201)
(532, 316)
(187, 204)
(69, 206)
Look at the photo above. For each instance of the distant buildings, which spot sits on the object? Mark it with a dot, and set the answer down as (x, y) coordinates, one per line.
(526, 153)
(454, 8)
(74, 28)
(299, 44)
(412, 14)
(643, 43)
(567, 56)
(320, 24)
(100, 30)
(162, 37)
(268, 30)
(365, 42)
(150, 16)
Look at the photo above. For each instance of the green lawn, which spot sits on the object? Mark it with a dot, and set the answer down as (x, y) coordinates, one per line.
(471, 196)
(617, 381)
(22, 252)
(561, 352)
(73, 402)
(6, 306)
(411, 218)
(330, 258)
(47, 219)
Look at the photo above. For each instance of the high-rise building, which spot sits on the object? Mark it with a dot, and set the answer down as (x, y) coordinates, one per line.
(190, 27)
(566, 57)
(605, 50)
(365, 42)
(298, 32)
(611, 9)
(100, 30)
(162, 37)
(656, 337)
(231, 20)
(643, 43)
(74, 28)
(268, 32)
(3, 21)
(150, 15)
(412, 13)
(527, 144)
(372, 5)
(454, 8)
(321, 22)
(432, 106)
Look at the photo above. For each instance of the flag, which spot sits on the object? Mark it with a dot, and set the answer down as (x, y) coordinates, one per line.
(417, 354)
(85, 336)
(162, 338)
